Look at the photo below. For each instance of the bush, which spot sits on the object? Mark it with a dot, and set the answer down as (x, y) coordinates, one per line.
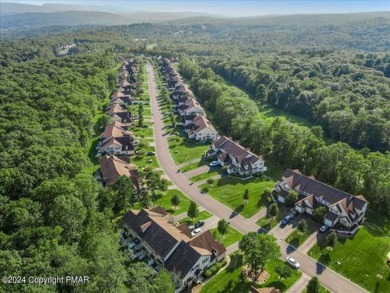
(214, 269)
(273, 209)
(206, 189)
(210, 181)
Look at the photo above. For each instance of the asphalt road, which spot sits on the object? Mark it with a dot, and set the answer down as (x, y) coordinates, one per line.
(328, 278)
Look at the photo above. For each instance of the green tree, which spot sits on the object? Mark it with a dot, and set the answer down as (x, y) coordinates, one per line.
(223, 227)
(331, 239)
(258, 249)
(283, 271)
(291, 198)
(124, 194)
(246, 195)
(303, 226)
(175, 200)
(319, 213)
(193, 210)
(273, 209)
(313, 286)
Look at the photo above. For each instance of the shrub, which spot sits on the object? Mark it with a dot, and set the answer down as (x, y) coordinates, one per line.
(273, 209)
(214, 269)
(210, 181)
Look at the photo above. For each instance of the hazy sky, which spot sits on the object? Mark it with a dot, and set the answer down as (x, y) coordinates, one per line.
(230, 7)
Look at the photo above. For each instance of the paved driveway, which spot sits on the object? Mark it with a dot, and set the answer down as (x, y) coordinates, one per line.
(330, 279)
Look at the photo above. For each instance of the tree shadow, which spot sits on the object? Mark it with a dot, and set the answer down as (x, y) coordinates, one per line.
(320, 268)
(278, 284)
(239, 208)
(290, 249)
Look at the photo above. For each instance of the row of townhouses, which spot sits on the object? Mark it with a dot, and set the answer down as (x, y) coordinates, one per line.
(344, 210)
(151, 237)
(196, 125)
(116, 143)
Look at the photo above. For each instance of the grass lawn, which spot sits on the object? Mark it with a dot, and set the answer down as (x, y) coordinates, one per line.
(143, 132)
(203, 215)
(362, 258)
(192, 166)
(232, 236)
(322, 290)
(230, 191)
(184, 151)
(296, 238)
(230, 279)
(164, 200)
(268, 223)
(206, 175)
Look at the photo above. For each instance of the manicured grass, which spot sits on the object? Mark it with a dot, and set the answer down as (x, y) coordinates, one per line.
(232, 236)
(230, 280)
(361, 259)
(164, 200)
(230, 191)
(143, 161)
(203, 215)
(322, 290)
(268, 223)
(296, 238)
(143, 132)
(184, 151)
(192, 166)
(206, 175)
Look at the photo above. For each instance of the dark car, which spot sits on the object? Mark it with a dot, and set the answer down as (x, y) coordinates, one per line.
(151, 153)
(285, 220)
(199, 224)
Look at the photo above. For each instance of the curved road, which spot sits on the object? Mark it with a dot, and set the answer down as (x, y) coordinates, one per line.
(328, 278)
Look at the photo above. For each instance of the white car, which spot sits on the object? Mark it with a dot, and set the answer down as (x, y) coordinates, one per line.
(292, 262)
(195, 231)
(214, 163)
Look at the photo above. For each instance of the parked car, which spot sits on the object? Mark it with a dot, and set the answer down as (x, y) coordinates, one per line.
(214, 163)
(285, 220)
(196, 231)
(292, 262)
(191, 227)
(151, 153)
(324, 228)
(199, 224)
(292, 215)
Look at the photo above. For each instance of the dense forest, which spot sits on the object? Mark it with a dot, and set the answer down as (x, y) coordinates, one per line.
(237, 115)
(55, 218)
(333, 89)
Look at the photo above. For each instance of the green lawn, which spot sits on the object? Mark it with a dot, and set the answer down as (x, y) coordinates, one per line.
(143, 132)
(296, 238)
(230, 191)
(232, 236)
(361, 259)
(203, 215)
(230, 280)
(184, 151)
(322, 290)
(269, 222)
(164, 200)
(206, 175)
(192, 166)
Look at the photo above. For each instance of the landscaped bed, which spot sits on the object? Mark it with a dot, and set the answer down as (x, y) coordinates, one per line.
(230, 191)
(361, 259)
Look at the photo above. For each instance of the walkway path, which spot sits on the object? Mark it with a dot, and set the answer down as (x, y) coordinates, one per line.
(329, 278)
